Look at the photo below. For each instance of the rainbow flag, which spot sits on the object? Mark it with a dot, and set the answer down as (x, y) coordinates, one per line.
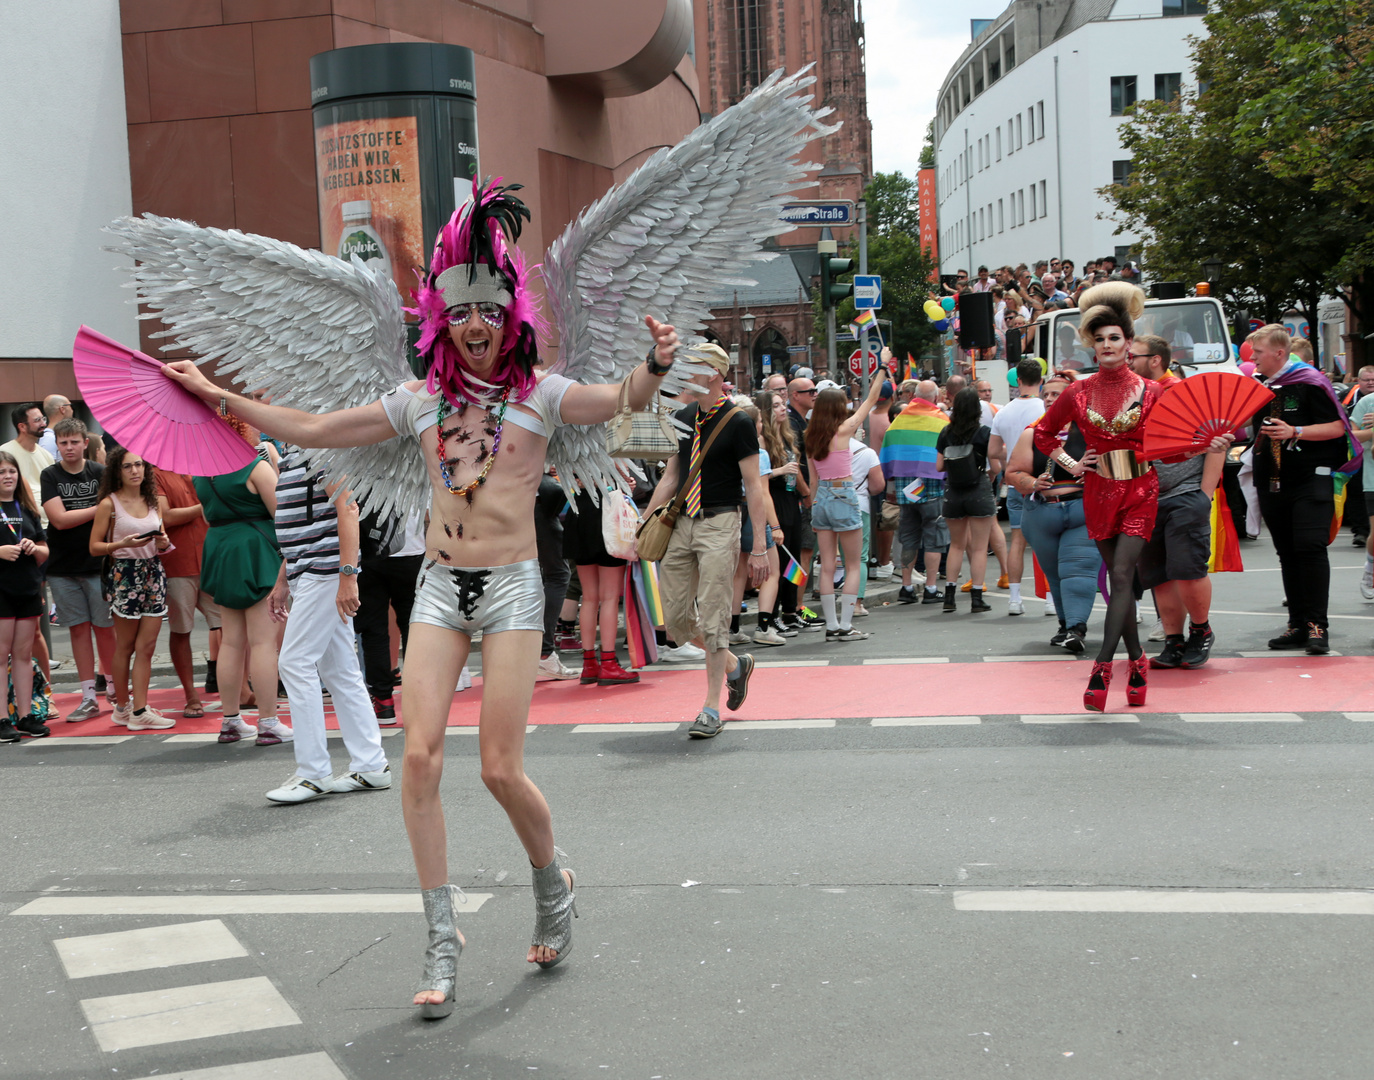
(909, 445)
(793, 571)
(653, 598)
(863, 319)
(1225, 556)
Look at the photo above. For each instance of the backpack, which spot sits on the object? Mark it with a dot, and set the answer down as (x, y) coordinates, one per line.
(962, 470)
(378, 536)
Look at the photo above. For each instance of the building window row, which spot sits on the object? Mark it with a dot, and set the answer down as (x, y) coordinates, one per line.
(1124, 90)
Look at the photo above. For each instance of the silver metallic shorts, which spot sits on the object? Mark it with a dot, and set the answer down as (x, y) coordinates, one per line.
(468, 599)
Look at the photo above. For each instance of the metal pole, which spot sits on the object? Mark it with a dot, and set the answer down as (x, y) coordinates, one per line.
(830, 338)
(1058, 160)
(863, 334)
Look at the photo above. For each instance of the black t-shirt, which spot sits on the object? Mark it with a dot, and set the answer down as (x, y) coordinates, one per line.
(980, 447)
(21, 577)
(1299, 405)
(721, 482)
(798, 422)
(71, 548)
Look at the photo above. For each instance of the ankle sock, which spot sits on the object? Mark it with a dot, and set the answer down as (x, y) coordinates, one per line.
(1016, 590)
(140, 712)
(765, 620)
(734, 623)
(714, 714)
(87, 689)
(661, 637)
(847, 604)
(731, 676)
(1204, 627)
(832, 622)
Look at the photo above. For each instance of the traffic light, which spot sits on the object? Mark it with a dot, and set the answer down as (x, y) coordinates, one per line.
(832, 291)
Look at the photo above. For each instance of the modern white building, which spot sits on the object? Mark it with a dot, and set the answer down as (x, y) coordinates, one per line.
(1026, 128)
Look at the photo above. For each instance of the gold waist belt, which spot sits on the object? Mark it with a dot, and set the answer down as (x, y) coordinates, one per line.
(1121, 465)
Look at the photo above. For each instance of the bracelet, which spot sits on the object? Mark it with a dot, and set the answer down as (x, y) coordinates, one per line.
(656, 369)
(224, 408)
(758, 554)
(1063, 458)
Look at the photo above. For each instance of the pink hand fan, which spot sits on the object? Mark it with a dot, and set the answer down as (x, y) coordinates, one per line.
(151, 414)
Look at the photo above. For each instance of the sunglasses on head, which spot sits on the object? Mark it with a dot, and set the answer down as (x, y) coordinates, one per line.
(494, 315)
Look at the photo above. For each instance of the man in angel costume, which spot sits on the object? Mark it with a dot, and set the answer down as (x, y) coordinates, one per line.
(325, 339)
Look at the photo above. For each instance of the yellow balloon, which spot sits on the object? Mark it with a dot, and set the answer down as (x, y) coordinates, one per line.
(934, 311)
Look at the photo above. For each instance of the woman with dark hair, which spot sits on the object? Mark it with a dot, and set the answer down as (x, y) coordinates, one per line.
(23, 549)
(961, 453)
(128, 530)
(835, 515)
(1120, 490)
(779, 441)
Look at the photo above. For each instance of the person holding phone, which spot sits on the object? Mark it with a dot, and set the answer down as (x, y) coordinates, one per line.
(128, 531)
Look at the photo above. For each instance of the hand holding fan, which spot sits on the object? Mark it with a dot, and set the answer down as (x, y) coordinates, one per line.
(1191, 413)
(151, 414)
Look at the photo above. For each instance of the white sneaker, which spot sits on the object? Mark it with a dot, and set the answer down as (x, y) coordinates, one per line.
(1049, 605)
(151, 720)
(768, 637)
(298, 789)
(550, 667)
(1016, 607)
(681, 654)
(1366, 583)
(464, 680)
(359, 781)
(917, 578)
(1158, 634)
(859, 610)
(885, 572)
(121, 716)
(236, 728)
(272, 732)
(739, 637)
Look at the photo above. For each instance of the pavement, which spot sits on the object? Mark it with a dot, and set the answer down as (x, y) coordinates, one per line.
(905, 857)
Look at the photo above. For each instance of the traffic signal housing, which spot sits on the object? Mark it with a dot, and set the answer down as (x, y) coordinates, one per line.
(832, 291)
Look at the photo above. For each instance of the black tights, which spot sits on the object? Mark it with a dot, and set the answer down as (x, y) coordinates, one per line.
(1120, 553)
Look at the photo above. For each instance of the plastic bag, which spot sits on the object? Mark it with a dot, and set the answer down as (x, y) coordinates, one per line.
(619, 519)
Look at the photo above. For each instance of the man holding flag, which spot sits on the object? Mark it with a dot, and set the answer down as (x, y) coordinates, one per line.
(908, 460)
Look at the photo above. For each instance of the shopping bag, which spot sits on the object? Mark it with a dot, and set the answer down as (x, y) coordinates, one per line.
(619, 520)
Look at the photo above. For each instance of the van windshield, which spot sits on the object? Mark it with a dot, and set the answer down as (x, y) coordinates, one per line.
(1194, 331)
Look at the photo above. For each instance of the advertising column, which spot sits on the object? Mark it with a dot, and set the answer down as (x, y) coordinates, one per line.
(395, 150)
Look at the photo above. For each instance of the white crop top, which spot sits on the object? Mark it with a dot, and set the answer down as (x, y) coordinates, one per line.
(411, 412)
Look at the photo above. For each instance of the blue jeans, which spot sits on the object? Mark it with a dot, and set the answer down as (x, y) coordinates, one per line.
(1058, 535)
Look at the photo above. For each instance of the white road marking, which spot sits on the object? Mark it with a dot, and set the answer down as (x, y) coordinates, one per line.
(1169, 901)
(1063, 657)
(663, 665)
(1082, 718)
(79, 740)
(923, 721)
(614, 729)
(1241, 718)
(155, 1017)
(297, 1067)
(778, 725)
(909, 660)
(473, 729)
(149, 947)
(1278, 654)
(1360, 717)
(200, 737)
(790, 663)
(332, 903)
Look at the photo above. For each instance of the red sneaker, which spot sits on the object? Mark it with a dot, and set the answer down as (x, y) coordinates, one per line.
(612, 674)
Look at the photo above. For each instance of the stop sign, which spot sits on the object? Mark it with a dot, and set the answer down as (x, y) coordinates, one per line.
(856, 359)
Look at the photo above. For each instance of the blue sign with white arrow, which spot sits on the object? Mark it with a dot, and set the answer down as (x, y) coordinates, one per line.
(868, 291)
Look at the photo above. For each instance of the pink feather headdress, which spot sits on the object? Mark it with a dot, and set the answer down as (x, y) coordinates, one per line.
(482, 233)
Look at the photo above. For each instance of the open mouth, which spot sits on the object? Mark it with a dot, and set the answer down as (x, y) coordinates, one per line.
(477, 348)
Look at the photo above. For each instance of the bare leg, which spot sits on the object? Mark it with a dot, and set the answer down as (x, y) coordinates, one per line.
(83, 652)
(1196, 596)
(997, 540)
(718, 664)
(610, 582)
(587, 617)
(105, 646)
(1169, 604)
(851, 542)
(126, 633)
(145, 641)
(234, 638)
(958, 539)
(829, 545)
(1016, 555)
(768, 591)
(25, 632)
(262, 638)
(978, 531)
(180, 645)
(40, 653)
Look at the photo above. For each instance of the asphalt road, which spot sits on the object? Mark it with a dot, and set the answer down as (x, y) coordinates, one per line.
(1176, 896)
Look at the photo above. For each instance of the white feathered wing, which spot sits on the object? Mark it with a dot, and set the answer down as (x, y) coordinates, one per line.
(314, 332)
(685, 223)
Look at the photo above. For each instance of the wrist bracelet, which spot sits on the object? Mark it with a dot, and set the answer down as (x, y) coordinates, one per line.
(656, 369)
(758, 554)
(1063, 458)
(224, 408)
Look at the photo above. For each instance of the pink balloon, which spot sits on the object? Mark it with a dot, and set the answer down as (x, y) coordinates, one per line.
(1245, 350)
(1247, 367)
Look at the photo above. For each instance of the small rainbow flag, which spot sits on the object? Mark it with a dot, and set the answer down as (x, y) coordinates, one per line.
(795, 574)
(863, 319)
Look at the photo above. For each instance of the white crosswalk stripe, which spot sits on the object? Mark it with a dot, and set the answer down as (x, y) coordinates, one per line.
(156, 1017)
(237, 903)
(296, 1067)
(1166, 901)
(147, 947)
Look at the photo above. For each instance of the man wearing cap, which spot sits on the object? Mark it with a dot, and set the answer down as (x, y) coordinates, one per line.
(698, 569)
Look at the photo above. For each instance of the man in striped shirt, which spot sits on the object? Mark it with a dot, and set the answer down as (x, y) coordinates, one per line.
(317, 529)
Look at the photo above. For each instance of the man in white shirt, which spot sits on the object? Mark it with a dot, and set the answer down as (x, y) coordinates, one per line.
(1011, 420)
(984, 283)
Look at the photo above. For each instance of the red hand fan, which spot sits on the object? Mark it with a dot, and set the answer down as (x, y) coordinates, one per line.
(1191, 413)
(151, 414)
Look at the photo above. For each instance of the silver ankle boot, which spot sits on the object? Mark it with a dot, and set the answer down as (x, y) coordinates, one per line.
(553, 900)
(441, 957)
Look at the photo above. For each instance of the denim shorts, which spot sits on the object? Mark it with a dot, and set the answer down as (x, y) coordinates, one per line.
(836, 508)
(746, 534)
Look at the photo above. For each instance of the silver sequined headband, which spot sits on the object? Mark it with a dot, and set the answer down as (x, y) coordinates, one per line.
(488, 287)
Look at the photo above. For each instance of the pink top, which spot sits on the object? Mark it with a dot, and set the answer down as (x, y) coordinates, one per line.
(125, 524)
(835, 465)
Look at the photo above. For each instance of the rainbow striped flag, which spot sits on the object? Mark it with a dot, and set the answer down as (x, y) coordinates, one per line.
(653, 598)
(909, 445)
(862, 319)
(1225, 557)
(795, 574)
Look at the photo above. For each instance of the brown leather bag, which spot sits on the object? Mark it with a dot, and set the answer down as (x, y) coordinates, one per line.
(654, 532)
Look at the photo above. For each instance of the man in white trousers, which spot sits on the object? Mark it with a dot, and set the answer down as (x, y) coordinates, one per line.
(318, 532)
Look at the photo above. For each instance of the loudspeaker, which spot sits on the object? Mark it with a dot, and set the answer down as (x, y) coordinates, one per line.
(1168, 290)
(1014, 339)
(975, 321)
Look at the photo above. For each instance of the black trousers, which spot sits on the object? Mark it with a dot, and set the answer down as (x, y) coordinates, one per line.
(553, 568)
(383, 583)
(1298, 517)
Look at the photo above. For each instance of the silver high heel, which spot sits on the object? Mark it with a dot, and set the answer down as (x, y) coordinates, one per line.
(445, 947)
(553, 899)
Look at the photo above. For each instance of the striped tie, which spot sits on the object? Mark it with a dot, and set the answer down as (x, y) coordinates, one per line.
(693, 504)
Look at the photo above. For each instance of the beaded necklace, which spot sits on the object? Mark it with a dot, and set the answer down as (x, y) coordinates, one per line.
(467, 489)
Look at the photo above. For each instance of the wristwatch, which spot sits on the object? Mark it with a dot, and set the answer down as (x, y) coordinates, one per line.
(348, 571)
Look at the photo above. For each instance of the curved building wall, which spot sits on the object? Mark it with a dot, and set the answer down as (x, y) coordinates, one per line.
(1018, 167)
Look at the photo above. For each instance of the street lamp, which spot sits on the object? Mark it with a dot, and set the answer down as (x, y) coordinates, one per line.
(746, 322)
(1211, 270)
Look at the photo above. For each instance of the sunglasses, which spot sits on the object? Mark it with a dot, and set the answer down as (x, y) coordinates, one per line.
(808, 391)
(494, 315)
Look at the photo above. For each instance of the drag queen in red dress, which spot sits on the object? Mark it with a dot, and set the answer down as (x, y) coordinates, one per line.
(1121, 491)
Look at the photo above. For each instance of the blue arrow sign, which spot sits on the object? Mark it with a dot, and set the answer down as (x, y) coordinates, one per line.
(818, 213)
(868, 291)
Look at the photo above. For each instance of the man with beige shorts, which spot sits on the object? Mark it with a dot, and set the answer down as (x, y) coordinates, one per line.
(186, 529)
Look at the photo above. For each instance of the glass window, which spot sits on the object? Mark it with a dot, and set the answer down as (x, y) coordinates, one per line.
(1030, 123)
(999, 142)
(1121, 171)
(1123, 93)
(1040, 117)
(1167, 86)
(1018, 131)
(1021, 206)
(1185, 7)
(1033, 202)
(1044, 203)
(1001, 218)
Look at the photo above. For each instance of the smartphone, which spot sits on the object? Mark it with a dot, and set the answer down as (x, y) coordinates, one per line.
(148, 535)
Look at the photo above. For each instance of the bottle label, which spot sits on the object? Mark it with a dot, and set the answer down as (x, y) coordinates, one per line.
(361, 244)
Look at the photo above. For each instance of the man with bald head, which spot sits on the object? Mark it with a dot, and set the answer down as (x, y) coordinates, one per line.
(55, 407)
(953, 385)
(908, 459)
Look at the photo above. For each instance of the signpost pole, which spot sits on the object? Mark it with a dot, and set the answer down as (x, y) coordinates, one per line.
(863, 333)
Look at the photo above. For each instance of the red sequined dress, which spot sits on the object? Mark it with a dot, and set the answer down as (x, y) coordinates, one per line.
(1110, 410)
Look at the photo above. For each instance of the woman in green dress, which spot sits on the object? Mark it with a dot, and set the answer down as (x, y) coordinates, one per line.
(240, 567)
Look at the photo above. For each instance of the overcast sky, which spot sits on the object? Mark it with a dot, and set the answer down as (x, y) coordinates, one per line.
(911, 45)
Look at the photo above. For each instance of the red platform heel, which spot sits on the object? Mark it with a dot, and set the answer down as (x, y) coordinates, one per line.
(1095, 696)
(1135, 682)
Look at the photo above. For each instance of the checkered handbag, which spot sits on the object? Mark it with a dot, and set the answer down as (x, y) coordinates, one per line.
(648, 434)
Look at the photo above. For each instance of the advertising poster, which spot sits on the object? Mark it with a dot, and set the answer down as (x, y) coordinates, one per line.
(930, 224)
(369, 180)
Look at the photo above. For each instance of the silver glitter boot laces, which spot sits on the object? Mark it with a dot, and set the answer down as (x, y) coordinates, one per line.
(441, 957)
(553, 901)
